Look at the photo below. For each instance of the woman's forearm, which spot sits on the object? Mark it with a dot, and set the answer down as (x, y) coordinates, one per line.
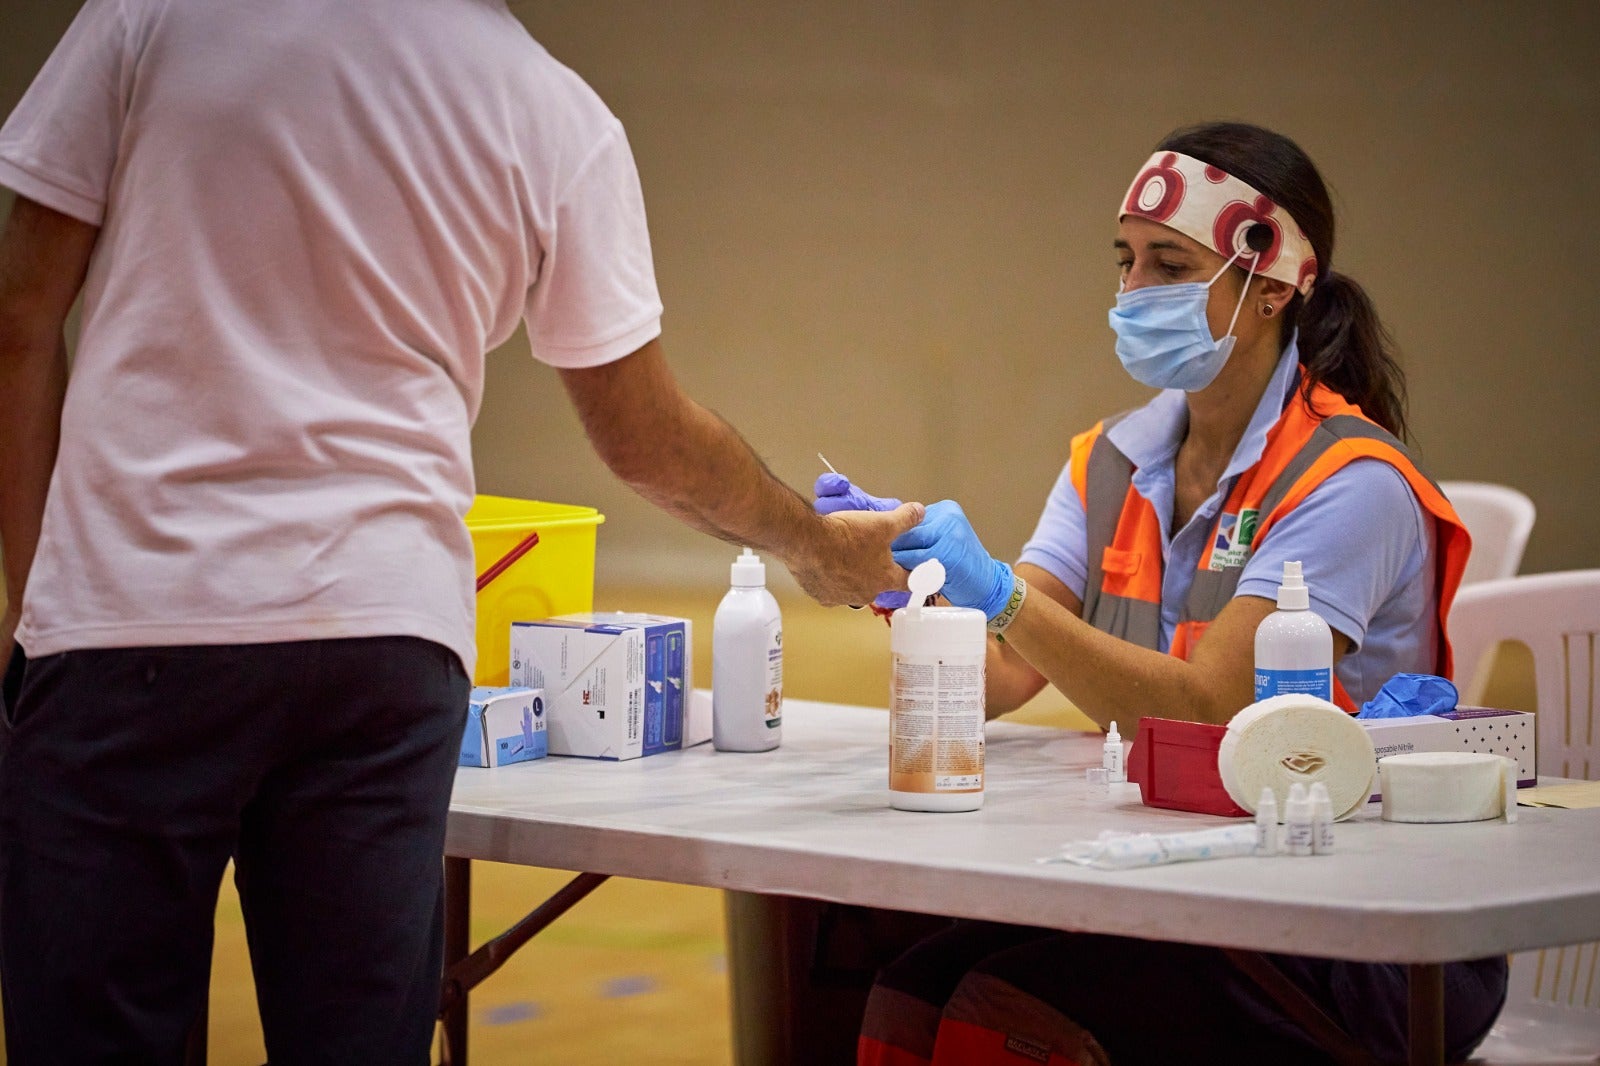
(1110, 679)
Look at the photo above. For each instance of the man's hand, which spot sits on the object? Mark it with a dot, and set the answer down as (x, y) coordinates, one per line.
(8, 631)
(834, 493)
(850, 561)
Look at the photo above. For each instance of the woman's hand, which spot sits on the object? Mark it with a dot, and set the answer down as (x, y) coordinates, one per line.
(835, 493)
(973, 578)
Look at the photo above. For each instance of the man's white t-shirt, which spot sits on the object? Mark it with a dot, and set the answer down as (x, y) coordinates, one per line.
(315, 220)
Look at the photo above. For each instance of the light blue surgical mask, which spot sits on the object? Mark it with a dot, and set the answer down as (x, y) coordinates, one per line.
(1163, 338)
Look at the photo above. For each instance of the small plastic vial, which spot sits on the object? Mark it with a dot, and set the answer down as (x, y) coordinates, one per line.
(1321, 820)
(1111, 756)
(1297, 821)
(747, 662)
(1294, 646)
(1098, 781)
(1267, 823)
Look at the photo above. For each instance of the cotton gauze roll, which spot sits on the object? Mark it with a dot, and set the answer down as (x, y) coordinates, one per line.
(1443, 786)
(1287, 739)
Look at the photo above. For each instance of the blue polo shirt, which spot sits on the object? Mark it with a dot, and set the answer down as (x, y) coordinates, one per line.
(1367, 546)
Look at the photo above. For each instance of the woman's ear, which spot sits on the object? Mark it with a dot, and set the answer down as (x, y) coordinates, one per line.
(1271, 296)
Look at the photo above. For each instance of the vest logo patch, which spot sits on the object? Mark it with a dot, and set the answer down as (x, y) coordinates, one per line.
(1027, 1049)
(1234, 534)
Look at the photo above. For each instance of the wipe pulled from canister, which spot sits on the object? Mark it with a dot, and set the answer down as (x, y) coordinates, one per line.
(1294, 739)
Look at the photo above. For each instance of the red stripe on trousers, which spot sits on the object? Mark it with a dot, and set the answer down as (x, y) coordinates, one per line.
(965, 1044)
(870, 1052)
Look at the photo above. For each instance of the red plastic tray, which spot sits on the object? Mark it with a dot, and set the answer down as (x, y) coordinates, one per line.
(1175, 764)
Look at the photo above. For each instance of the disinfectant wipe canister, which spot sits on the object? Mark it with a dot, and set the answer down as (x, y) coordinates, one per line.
(747, 662)
(936, 703)
(1294, 646)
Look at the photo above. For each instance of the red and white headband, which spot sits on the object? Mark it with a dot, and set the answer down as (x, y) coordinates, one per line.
(1211, 206)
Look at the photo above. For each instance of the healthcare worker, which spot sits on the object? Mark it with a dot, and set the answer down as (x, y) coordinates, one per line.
(233, 537)
(1277, 435)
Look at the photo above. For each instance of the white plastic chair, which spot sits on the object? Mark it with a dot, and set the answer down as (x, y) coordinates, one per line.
(1557, 616)
(1499, 519)
(1552, 1013)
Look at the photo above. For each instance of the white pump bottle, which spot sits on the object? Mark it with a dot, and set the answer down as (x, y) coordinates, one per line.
(747, 662)
(1294, 646)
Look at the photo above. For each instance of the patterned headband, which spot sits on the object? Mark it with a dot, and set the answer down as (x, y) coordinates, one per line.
(1215, 208)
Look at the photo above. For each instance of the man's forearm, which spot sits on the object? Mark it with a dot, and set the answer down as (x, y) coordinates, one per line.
(693, 464)
(44, 256)
(33, 383)
(706, 474)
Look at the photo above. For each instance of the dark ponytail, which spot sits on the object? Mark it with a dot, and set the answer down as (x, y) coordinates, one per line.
(1342, 343)
(1346, 348)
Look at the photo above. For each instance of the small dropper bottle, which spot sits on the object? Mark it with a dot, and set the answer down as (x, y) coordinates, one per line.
(1321, 820)
(1267, 822)
(1297, 821)
(1111, 756)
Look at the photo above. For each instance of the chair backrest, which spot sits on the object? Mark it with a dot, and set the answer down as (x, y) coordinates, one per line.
(1552, 1011)
(1499, 519)
(1557, 616)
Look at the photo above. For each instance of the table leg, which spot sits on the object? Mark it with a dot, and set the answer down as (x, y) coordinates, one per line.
(760, 977)
(457, 944)
(1427, 1014)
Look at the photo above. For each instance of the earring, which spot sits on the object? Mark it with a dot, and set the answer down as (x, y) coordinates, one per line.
(1266, 311)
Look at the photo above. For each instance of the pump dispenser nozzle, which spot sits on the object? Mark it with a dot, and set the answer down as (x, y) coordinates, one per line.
(1292, 593)
(748, 571)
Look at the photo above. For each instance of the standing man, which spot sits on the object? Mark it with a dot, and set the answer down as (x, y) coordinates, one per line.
(233, 542)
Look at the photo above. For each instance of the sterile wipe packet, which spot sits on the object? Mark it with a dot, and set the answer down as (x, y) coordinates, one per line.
(1124, 851)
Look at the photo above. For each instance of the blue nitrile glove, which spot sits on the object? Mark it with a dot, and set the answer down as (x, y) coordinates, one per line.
(835, 493)
(1408, 695)
(972, 578)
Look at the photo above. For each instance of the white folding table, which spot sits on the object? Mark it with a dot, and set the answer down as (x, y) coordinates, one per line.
(811, 819)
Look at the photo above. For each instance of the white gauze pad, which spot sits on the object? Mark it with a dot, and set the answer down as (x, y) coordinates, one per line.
(1442, 786)
(1287, 739)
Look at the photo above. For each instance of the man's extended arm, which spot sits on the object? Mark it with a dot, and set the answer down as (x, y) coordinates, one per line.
(690, 462)
(43, 258)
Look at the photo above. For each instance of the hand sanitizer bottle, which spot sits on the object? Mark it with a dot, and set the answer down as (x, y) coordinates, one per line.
(1294, 647)
(747, 662)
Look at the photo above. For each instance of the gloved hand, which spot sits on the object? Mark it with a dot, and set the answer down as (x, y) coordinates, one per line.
(972, 578)
(835, 493)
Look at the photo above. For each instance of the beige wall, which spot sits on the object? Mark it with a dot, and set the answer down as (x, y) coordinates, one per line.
(882, 231)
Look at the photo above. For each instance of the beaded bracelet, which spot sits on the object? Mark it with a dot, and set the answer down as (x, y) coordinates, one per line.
(1008, 613)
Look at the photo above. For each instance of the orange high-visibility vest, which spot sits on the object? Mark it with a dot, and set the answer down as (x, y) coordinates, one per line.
(1122, 594)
